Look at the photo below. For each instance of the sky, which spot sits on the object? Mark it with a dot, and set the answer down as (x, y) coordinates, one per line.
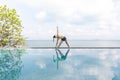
(76, 19)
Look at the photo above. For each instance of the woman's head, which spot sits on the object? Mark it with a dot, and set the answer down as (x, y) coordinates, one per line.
(54, 37)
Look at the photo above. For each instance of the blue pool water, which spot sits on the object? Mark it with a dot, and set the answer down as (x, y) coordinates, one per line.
(63, 64)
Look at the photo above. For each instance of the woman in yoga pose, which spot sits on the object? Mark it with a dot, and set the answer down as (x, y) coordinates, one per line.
(61, 38)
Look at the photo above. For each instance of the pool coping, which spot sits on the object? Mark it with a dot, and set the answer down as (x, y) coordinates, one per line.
(75, 48)
(63, 48)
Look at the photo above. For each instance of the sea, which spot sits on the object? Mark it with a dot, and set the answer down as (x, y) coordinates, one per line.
(74, 43)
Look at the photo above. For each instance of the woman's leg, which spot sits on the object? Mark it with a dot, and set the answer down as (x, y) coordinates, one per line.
(67, 43)
(60, 43)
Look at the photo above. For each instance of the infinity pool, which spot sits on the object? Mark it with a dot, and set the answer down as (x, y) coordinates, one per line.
(63, 64)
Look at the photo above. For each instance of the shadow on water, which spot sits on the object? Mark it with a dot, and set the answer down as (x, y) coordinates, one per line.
(60, 56)
(10, 64)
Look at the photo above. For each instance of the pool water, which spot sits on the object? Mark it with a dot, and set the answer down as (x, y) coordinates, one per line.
(63, 64)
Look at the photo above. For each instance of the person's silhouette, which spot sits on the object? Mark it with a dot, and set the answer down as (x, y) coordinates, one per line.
(60, 56)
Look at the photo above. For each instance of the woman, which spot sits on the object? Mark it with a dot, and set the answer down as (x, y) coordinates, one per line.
(60, 37)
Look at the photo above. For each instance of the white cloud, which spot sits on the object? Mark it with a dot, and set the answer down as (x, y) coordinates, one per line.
(42, 65)
(41, 15)
(110, 57)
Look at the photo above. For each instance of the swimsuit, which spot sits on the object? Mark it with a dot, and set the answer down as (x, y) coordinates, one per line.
(63, 39)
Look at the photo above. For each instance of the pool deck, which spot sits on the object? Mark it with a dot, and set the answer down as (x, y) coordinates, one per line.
(75, 48)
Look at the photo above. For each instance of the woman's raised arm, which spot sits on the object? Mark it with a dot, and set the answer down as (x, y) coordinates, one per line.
(57, 31)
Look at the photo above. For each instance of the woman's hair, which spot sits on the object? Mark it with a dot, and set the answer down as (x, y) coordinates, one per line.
(54, 37)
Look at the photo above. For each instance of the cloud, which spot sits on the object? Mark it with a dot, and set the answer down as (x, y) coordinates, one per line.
(41, 15)
(110, 57)
(41, 64)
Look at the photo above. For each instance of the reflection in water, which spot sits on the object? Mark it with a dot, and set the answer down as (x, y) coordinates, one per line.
(10, 64)
(93, 64)
(60, 56)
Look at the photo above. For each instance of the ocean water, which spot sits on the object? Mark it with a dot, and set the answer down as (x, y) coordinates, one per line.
(62, 64)
(75, 43)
